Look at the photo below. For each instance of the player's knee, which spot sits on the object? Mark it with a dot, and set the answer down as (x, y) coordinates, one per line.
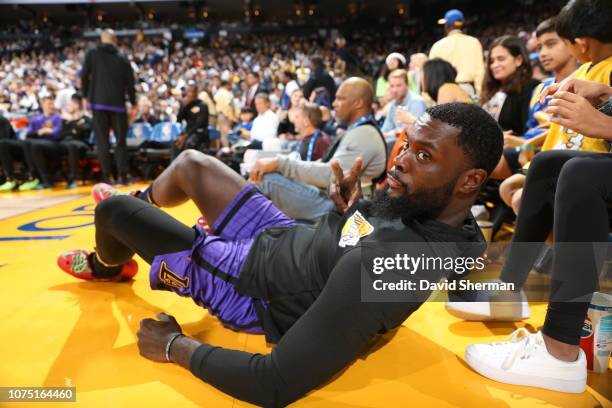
(107, 209)
(191, 162)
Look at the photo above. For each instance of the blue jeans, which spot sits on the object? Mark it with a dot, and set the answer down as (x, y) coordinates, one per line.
(297, 200)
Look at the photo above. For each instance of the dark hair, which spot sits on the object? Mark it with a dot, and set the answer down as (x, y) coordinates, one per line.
(76, 97)
(437, 72)
(546, 26)
(289, 74)
(521, 76)
(246, 109)
(481, 138)
(385, 71)
(317, 63)
(586, 18)
(224, 82)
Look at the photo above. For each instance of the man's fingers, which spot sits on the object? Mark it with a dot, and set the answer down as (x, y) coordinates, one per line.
(559, 110)
(565, 96)
(549, 90)
(337, 170)
(356, 169)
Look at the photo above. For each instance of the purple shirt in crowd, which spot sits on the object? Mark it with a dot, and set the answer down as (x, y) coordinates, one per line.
(40, 121)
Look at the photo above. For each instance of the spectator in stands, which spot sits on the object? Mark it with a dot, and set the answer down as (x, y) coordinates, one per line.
(290, 85)
(319, 77)
(415, 72)
(107, 81)
(508, 87)
(462, 51)
(286, 128)
(438, 81)
(299, 189)
(265, 124)
(394, 61)
(330, 125)
(254, 87)
(557, 58)
(145, 112)
(313, 143)
(410, 104)
(194, 112)
(43, 133)
(245, 121)
(224, 100)
(205, 96)
(76, 131)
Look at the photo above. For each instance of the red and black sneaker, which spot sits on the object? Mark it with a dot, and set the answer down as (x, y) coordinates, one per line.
(77, 263)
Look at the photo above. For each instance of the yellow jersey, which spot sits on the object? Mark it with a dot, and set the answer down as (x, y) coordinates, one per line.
(559, 137)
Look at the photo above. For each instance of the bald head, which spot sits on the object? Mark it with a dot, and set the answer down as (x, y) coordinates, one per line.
(359, 88)
(108, 37)
(353, 100)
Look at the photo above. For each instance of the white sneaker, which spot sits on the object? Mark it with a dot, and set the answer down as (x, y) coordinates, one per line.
(484, 306)
(526, 361)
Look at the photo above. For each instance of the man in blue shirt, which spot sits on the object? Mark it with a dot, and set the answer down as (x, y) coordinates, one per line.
(403, 99)
(43, 132)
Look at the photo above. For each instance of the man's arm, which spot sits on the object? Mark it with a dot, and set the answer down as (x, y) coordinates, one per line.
(85, 73)
(130, 85)
(326, 339)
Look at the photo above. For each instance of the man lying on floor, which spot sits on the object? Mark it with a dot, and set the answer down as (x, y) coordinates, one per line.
(258, 271)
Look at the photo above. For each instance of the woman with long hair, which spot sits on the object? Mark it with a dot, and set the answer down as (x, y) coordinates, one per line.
(438, 81)
(508, 84)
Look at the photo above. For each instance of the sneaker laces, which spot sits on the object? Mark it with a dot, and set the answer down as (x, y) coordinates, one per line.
(525, 343)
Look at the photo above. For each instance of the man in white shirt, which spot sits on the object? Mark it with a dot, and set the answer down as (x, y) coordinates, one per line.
(265, 125)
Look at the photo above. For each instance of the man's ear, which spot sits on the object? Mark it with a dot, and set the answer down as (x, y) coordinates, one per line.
(583, 43)
(472, 180)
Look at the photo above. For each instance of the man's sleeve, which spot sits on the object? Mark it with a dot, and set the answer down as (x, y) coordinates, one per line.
(308, 87)
(57, 128)
(314, 173)
(336, 329)
(85, 73)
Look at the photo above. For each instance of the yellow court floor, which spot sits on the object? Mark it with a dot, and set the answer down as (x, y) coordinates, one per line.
(57, 331)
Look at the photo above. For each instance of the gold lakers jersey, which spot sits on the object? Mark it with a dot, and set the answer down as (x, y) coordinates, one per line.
(560, 137)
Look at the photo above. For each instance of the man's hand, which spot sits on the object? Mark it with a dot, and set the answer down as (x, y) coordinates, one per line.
(180, 141)
(345, 190)
(154, 335)
(510, 140)
(595, 92)
(245, 134)
(404, 117)
(576, 113)
(44, 131)
(261, 168)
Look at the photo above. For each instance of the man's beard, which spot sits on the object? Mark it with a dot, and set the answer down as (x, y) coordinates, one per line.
(419, 204)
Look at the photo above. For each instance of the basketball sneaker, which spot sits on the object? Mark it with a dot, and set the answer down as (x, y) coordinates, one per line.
(486, 305)
(78, 264)
(524, 360)
(103, 191)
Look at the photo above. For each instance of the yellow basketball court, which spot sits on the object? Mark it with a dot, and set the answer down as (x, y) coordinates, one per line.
(57, 331)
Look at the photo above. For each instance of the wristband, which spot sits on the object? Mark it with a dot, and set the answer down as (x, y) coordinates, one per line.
(174, 337)
(525, 147)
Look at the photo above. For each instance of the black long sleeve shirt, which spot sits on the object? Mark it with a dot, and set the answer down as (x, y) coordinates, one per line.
(312, 290)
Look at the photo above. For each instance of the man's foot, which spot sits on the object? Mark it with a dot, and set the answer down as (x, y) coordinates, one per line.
(103, 191)
(526, 361)
(78, 263)
(8, 186)
(483, 305)
(43, 187)
(29, 185)
(71, 185)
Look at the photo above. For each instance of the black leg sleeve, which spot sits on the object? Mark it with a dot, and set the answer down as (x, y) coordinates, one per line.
(10, 150)
(126, 225)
